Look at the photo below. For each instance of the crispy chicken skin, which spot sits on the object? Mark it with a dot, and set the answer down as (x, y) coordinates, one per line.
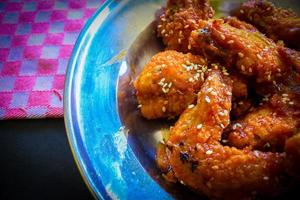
(276, 23)
(243, 49)
(169, 83)
(198, 159)
(179, 19)
(237, 92)
(271, 124)
(263, 129)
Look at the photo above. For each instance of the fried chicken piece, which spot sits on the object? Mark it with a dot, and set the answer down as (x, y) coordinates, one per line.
(276, 23)
(199, 161)
(169, 83)
(242, 49)
(270, 125)
(263, 129)
(179, 19)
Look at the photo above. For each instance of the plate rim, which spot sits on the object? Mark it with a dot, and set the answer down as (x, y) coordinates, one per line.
(67, 99)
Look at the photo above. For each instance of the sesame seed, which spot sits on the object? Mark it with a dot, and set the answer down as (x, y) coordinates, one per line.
(241, 103)
(165, 90)
(222, 125)
(163, 109)
(163, 31)
(163, 19)
(250, 69)
(186, 26)
(163, 79)
(159, 26)
(238, 125)
(223, 37)
(259, 57)
(199, 126)
(189, 46)
(209, 152)
(179, 40)
(224, 141)
(163, 65)
(256, 153)
(242, 67)
(248, 46)
(241, 54)
(242, 11)
(215, 167)
(191, 80)
(209, 89)
(228, 93)
(291, 103)
(285, 95)
(214, 93)
(139, 106)
(269, 77)
(207, 99)
(266, 178)
(230, 42)
(170, 85)
(191, 106)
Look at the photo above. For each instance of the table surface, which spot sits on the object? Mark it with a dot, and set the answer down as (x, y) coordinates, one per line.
(37, 163)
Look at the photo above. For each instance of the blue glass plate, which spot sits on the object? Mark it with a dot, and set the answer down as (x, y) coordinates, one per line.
(114, 147)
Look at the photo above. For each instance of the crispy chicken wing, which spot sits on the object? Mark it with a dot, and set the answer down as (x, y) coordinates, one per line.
(276, 23)
(200, 161)
(270, 125)
(169, 83)
(243, 49)
(179, 19)
(263, 129)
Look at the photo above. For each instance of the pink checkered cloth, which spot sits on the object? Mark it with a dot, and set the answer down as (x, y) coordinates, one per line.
(36, 40)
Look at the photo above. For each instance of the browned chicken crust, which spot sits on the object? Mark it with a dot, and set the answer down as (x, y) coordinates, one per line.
(242, 49)
(276, 23)
(179, 19)
(263, 129)
(169, 83)
(200, 161)
(257, 154)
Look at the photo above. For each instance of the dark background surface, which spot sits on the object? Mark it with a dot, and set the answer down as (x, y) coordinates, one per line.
(37, 163)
